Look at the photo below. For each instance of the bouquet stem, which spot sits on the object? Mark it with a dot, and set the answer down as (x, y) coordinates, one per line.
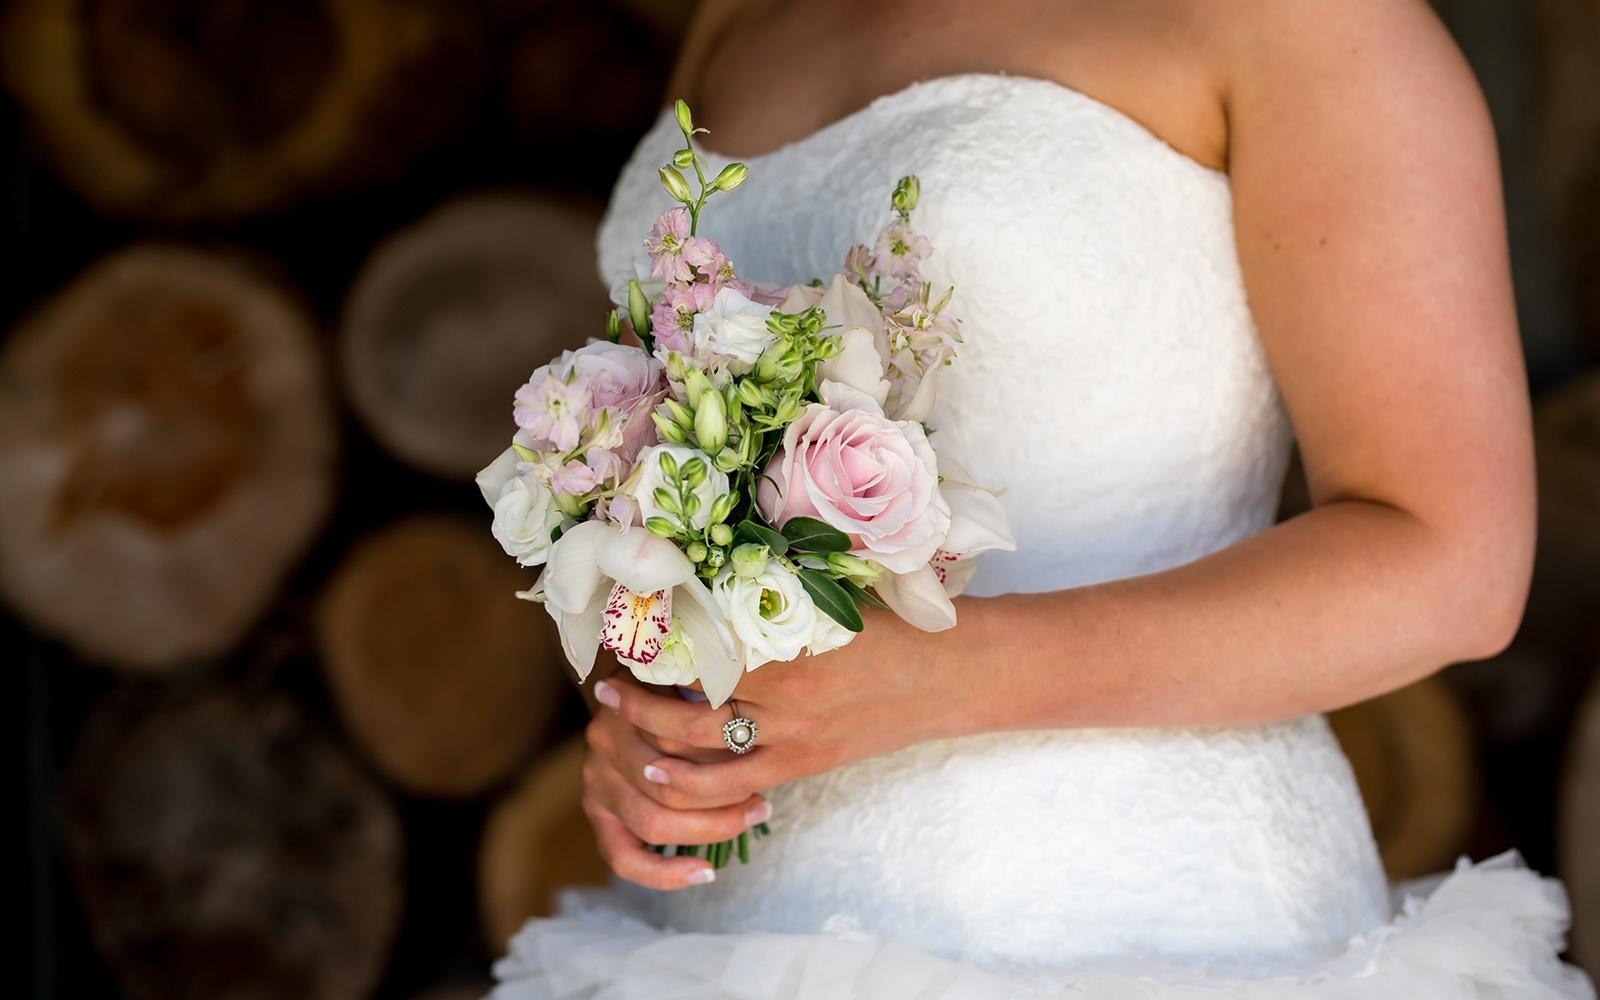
(720, 853)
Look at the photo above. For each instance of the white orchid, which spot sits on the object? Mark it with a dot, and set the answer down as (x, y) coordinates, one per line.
(978, 524)
(637, 594)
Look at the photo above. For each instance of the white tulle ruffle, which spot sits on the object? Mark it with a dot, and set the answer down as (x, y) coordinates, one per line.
(1491, 930)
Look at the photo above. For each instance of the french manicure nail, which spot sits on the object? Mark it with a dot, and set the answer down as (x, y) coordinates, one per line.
(655, 774)
(700, 876)
(607, 695)
(759, 813)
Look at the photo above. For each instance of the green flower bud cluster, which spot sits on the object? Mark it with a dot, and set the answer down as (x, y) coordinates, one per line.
(774, 392)
(676, 183)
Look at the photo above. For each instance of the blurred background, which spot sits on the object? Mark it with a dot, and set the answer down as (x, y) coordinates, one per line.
(272, 271)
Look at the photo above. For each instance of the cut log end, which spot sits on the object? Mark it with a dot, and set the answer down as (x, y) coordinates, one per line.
(445, 678)
(451, 315)
(224, 846)
(536, 842)
(166, 451)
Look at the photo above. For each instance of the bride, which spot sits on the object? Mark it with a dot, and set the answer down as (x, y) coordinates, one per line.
(1176, 229)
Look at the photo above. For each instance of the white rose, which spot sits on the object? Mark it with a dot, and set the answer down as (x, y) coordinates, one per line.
(734, 327)
(524, 516)
(771, 613)
(829, 634)
(650, 477)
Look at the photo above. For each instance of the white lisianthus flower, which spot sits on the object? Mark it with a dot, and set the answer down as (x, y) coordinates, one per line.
(829, 634)
(771, 613)
(650, 478)
(734, 327)
(525, 511)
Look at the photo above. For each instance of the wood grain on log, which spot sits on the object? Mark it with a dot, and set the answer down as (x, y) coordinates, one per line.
(189, 109)
(227, 849)
(444, 677)
(452, 314)
(536, 841)
(1411, 751)
(166, 452)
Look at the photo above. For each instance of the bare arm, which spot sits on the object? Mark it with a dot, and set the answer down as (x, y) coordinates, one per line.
(1370, 232)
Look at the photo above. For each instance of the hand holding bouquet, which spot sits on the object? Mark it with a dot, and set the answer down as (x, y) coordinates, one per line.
(731, 486)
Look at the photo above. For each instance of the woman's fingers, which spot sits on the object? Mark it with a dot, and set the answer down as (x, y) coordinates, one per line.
(629, 859)
(666, 716)
(658, 824)
(736, 777)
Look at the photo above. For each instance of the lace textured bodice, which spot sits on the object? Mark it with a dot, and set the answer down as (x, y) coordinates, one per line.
(1113, 382)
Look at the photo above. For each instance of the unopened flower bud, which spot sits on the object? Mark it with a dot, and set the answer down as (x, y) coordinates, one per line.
(721, 507)
(676, 366)
(678, 413)
(749, 560)
(721, 534)
(697, 552)
(613, 326)
(752, 394)
(694, 472)
(661, 526)
(667, 430)
(727, 460)
(731, 176)
(770, 364)
(747, 449)
(665, 499)
(716, 557)
(695, 383)
(711, 422)
(788, 408)
(569, 505)
(683, 159)
(680, 111)
(676, 186)
(691, 506)
(638, 308)
(851, 567)
(669, 465)
(828, 348)
(906, 194)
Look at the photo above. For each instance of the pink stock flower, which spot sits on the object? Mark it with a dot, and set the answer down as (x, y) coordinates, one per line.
(666, 245)
(900, 251)
(551, 409)
(672, 319)
(875, 479)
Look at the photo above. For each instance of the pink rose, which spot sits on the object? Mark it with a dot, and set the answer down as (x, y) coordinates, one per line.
(623, 379)
(875, 479)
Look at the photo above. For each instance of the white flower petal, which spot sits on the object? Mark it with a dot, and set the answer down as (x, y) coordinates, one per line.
(919, 598)
(573, 575)
(858, 364)
(919, 404)
(641, 561)
(718, 655)
(494, 476)
(580, 633)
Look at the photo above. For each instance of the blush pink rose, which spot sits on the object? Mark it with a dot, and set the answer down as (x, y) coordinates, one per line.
(875, 479)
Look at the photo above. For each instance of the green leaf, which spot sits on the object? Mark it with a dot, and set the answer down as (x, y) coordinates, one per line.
(863, 597)
(833, 599)
(760, 534)
(812, 535)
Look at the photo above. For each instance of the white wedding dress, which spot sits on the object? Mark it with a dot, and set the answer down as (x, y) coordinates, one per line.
(1113, 381)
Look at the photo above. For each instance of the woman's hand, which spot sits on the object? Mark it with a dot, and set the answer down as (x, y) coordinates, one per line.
(815, 713)
(629, 807)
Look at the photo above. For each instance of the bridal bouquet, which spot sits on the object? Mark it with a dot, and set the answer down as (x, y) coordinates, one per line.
(739, 468)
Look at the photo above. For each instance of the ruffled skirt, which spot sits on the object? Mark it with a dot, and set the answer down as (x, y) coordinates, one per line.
(1491, 930)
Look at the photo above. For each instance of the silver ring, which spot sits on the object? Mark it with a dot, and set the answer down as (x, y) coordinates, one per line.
(740, 733)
